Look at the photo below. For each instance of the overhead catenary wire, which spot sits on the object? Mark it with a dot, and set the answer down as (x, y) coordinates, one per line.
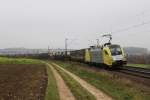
(144, 12)
(131, 27)
(136, 25)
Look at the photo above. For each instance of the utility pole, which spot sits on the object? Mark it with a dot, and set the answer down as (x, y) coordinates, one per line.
(48, 50)
(66, 46)
(98, 43)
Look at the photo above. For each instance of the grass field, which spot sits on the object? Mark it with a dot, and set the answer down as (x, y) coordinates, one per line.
(119, 89)
(140, 65)
(5, 60)
(78, 91)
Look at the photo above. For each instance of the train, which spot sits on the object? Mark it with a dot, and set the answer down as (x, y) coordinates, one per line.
(110, 55)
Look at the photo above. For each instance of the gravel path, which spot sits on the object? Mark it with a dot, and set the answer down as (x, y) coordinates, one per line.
(64, 92)
(99, 95)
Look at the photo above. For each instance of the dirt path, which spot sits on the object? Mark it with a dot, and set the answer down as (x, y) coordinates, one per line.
(64, 92)
(99, 95)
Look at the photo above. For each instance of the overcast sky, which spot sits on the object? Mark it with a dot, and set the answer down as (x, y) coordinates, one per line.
(39, 23)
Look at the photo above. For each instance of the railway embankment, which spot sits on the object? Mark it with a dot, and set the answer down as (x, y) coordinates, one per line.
(120, 88)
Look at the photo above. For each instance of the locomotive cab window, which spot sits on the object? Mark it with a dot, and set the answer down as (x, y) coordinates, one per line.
(115, 50)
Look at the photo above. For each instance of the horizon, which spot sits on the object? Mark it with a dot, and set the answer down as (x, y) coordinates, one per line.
(64, 48)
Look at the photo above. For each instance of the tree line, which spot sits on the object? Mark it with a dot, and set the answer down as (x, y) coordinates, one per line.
(139, 59)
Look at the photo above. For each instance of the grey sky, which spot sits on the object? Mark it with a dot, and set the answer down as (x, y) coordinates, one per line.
(39, 23)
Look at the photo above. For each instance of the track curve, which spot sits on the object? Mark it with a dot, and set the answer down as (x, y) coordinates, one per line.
(140, 72)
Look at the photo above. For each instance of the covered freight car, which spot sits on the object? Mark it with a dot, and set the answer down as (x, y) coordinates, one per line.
(78, 55)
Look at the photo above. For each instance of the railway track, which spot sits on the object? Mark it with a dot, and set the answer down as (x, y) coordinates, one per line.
(140, 72)
(137, 75)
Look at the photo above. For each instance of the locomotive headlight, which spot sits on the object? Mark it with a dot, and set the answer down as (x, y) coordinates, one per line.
(117, 57)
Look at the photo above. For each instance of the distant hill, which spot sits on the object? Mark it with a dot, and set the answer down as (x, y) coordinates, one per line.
(14, 51)
(136, 51)
(22, 51)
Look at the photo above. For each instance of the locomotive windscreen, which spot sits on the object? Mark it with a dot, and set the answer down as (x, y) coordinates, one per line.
(115, 50)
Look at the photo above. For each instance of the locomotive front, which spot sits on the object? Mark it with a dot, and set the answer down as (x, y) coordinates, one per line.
(118, 55)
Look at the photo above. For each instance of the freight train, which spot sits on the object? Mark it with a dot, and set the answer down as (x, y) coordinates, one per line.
(111, 55)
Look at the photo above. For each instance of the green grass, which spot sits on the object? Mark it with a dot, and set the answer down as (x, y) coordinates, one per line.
(140, 65)
(119, 89)
(51, 91)
(78, 91)
(5, 60)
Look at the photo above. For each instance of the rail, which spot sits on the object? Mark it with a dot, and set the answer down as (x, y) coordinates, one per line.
(141, 72)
